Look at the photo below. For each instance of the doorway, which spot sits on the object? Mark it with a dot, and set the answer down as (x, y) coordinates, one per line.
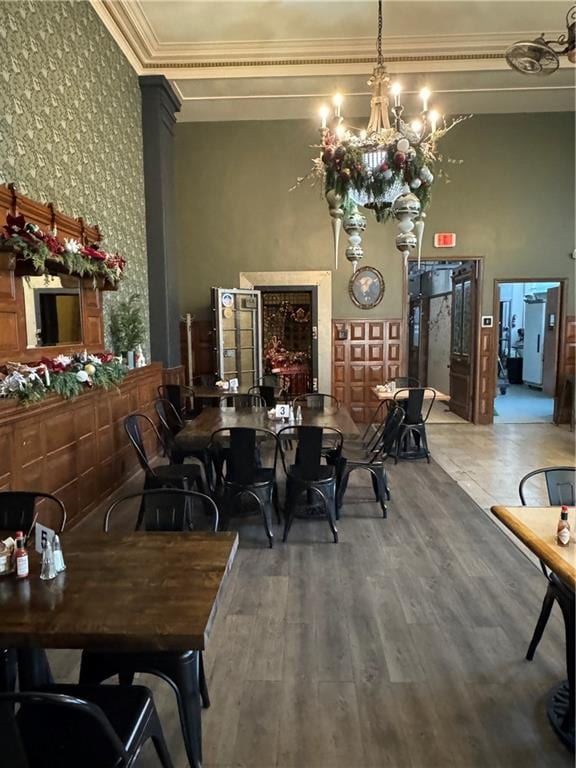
(290, 336)
(528, 315)
(443, 333)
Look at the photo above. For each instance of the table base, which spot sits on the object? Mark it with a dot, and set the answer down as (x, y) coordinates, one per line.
(561, 719)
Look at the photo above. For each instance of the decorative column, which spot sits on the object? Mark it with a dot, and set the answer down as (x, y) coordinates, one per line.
(159, 106)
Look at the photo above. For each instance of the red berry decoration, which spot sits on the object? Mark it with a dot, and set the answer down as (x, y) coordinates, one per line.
(399, 159)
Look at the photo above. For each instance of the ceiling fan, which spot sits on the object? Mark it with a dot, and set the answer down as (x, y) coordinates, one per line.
(541, 56)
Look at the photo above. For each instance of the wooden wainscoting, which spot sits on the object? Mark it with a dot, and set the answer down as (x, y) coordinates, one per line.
(364, 353)
(77, 449)
(486, 378)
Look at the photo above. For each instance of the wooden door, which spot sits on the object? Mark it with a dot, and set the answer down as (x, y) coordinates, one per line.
(551, 336)
(463, 340)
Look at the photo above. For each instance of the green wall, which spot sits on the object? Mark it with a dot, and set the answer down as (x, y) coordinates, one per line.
(70, 124)
(510, 201)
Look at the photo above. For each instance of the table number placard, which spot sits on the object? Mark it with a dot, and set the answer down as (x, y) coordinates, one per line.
(283, 411)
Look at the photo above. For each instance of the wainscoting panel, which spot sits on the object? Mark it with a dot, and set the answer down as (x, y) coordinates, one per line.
(486, 380)
(364, 353)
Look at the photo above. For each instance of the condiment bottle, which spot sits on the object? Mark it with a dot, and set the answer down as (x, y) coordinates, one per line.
(21, 557)
(563, 530)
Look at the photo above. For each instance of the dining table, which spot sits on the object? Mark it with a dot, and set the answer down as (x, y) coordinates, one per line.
(212, 419)
(139, 591)
(536, 528)
(384, 394)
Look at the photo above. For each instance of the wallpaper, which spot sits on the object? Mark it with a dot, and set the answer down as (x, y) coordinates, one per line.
(70, 125)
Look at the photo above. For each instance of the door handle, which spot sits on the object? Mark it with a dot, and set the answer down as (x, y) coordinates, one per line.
(538, 344)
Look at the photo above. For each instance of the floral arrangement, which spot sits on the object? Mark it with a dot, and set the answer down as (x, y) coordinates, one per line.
(31, 243)
(65, 375)
(277, 356)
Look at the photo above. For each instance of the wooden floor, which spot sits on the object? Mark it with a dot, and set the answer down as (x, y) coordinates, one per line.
(401, 646)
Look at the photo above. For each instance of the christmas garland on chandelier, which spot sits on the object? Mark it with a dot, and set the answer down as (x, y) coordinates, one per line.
(387, 168)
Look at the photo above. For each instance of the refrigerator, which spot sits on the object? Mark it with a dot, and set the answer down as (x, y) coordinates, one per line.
(534, 318)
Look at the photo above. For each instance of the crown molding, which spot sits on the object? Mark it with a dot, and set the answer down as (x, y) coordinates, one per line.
(127, 23)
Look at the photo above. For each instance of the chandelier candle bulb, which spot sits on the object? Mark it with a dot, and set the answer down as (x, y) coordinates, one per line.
(433, 117)
(396, 90)
(324, 112)
(337, 101)
(425, 96)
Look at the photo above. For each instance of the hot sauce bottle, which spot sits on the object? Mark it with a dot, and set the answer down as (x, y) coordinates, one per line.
(563, 530)
(20, 557)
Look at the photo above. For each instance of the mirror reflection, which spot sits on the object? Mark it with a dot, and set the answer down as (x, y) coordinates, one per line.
(52, 310)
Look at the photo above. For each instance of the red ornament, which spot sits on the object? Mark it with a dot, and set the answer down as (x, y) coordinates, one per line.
(327, 155)
(399, 159)
(383, 167)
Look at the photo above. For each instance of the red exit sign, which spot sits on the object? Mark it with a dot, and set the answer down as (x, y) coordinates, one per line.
(444, 239)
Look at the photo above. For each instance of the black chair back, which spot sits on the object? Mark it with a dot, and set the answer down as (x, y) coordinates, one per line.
(58, 731)
(236, 400)
(170, 420)
(18, 510)
(560, 485)
(133, 425)
(316, 401)
(176, 394)
(169, 509)
(309, 447)
(413, 401)
(266, 392)
(242, 449)
(389, 433)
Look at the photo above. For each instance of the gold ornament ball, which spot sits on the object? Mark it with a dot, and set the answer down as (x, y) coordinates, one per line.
(90, 369)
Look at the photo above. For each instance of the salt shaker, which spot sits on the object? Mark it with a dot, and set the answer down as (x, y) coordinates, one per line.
(48, 568)
(299, 414)
(59, 563)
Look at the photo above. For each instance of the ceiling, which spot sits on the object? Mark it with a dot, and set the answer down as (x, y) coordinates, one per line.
(280, 59)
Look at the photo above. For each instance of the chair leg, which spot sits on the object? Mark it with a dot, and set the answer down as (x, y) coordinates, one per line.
(289, 512)
(203, 683)
(342, 487)
(276, 502)
(541, 624)
(379, 486)
(155, 733)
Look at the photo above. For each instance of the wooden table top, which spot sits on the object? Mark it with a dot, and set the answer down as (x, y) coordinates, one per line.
(136, 591)
(441, 396)
(536, 528)
(211, 419)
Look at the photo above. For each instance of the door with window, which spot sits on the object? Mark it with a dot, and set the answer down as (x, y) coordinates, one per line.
(238, 329)
(463, 340)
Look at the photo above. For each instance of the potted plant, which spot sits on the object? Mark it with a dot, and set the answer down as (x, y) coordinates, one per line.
(127, 328)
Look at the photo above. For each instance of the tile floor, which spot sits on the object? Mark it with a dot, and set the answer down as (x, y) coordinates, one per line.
(524, 405)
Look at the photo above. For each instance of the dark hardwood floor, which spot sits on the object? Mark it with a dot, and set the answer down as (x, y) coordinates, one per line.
(402, 646)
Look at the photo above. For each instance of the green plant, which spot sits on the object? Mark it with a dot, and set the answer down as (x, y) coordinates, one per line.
(127, 328)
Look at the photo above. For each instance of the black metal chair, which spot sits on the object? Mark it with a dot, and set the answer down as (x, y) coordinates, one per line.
(242, 450)
(371, 459)
(560, 485)
(267, 392)
(413, 429)
(68, 726)
(18, 510)
(163, 475)
(179, 396)
(316, 401)
(163, 510)
(171, 424)
(240, 400)
(308, 476)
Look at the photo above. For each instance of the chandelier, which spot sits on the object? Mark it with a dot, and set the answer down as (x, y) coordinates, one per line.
(387, 167)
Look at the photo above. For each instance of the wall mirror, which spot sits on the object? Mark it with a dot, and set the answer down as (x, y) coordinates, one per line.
(53, 311)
